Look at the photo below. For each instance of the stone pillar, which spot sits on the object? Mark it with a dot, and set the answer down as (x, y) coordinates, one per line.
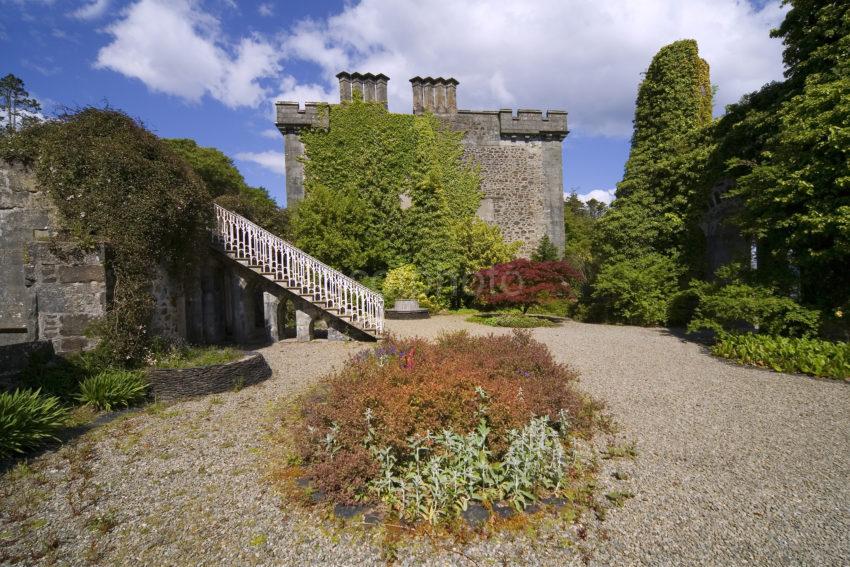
(270, 311)
(303, 326)
(428, 95)
(553, 193)
(451, 96)
(369, 88)
(357, 86)
(439, 96)
(344, 86)
(241, 309)
(418, 106)
(293, 150)
(381, 89)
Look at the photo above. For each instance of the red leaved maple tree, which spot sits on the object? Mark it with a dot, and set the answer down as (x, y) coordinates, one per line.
(524, 283)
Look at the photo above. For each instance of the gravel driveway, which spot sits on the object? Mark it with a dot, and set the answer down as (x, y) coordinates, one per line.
(735, 466)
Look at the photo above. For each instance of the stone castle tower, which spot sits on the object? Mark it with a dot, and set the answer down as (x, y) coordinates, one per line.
(519, 154)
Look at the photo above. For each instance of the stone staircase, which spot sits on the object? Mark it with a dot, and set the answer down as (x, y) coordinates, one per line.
(305, 279)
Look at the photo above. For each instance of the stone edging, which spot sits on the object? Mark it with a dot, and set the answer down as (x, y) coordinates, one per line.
(176, 383)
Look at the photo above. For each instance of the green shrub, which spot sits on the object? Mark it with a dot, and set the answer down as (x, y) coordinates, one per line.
(405, 282)
(516, 321)
(28, 419)
(734, 306)
(112, 389)
(637, 291)
(783, 354)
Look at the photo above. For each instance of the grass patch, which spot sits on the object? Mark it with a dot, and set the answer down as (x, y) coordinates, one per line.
(782, 354)
(193, 357)
(112, 389)
(512, 320)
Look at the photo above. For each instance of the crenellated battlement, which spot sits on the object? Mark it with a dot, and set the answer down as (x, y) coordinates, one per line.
(528, 122)
(291, 118)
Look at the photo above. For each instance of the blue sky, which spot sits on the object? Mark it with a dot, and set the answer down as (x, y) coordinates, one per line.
(211, 69)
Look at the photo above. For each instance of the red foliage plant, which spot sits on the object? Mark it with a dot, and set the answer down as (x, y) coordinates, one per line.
(413, 386)
(524, 283)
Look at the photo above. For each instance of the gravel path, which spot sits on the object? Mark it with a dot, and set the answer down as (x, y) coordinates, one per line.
(735, 466)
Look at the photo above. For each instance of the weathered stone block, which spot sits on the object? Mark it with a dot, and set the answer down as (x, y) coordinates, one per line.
(74, 324)
(81, 274)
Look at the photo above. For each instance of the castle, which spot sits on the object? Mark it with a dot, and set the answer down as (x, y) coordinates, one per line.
(519, 155)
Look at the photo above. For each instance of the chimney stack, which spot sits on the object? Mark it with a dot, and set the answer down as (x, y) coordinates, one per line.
(435, 95)
(372, 88)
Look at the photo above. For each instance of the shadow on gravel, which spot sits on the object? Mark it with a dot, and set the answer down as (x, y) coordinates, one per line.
(65, 436)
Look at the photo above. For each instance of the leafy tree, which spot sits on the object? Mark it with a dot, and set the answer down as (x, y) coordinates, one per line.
(796, 186)
(525, 283)
(214, 167)
(17, 104)
(580, 221)
(228, 187)
(653, 223)
(664, 166)
(545, 251)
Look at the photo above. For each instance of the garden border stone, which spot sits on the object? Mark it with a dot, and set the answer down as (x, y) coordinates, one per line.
(177, 383)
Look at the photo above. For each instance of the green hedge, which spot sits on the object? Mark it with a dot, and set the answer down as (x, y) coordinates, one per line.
(781, 354)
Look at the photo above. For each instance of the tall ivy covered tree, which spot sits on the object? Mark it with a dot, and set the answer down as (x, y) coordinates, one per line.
(665, 162)
(652, 216)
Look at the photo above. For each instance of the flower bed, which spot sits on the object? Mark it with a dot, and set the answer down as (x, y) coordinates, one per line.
(425, 429)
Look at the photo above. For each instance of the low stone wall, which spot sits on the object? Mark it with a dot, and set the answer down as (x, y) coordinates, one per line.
(175, 383)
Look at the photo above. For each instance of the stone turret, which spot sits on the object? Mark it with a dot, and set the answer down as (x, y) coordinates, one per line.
(434, 95)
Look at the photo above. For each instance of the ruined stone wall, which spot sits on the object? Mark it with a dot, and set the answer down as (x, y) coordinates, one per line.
(46, 293)
(25, 214)
(69, 291)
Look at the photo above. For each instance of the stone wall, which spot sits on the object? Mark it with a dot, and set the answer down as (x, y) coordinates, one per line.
(521, 175)
(69, 291)
(171, 384)
(25, 215)
(47, 292)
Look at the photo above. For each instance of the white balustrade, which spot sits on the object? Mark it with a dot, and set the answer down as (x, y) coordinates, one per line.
(293, 268)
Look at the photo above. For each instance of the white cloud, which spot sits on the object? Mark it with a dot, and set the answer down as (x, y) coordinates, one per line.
(91, 10)
(271, 160)
(265, 9)
(585, 57)
(174, 48)
(311, 92)
(271, 133)
(604, 195)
